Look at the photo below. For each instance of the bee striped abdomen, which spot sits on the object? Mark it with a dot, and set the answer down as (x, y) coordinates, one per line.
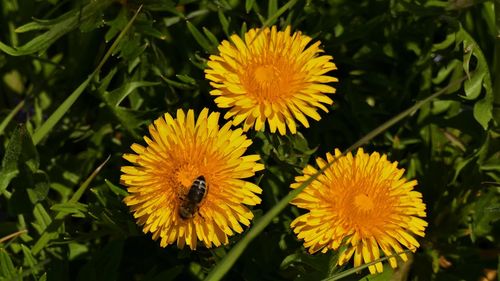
(191, 202)
(198, 190)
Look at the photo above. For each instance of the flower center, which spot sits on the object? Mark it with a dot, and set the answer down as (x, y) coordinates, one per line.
(271, 78)
(363, 202)
(185, 175)
(265, 75)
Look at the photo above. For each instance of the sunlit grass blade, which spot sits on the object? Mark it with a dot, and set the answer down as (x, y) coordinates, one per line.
(10, 116)
(46, 127)
(55, 224)
(278, 13)
(227, 262)
(275, 16)
(350, 271)
(13, 235)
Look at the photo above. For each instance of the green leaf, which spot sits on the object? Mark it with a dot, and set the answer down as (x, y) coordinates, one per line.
(178, 85)
(186, 79)
(47, 126)
(29, 259)
(224, 22)
(249, 5)
(7, 268)
(56, 29)
(272, 18)
(450, 39)
(483, 111)
(115, 97)
(42, 218)
(9, 162)
(478, 78)
(484, 213)
(69, 208)
(211, 37)
(10, 116)
(20, 151)
(130, 119)
(272, 8)
(51, 231)
(41, 132)
(115, 189)
(202, 41)
(473, 86)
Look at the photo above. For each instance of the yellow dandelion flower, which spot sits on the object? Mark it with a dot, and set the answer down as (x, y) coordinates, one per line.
(362, 203)
(187, 184)
(271, 75)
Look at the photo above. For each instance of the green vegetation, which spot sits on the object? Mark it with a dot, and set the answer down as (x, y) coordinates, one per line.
(81, 81)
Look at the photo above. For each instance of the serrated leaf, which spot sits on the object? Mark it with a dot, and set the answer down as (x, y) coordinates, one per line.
(9, 162)
(20, 151)
(479, 78)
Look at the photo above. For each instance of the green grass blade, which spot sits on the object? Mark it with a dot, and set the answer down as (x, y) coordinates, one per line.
(350, 271)
(48, 234)
(275, 16)
(402, 115)
(13, 235)
(47, 126)
(10, 116)
(278, 13)
(227, 262)
(60, 27)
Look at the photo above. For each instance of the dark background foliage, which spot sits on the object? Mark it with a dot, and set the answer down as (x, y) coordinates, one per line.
(390, 54)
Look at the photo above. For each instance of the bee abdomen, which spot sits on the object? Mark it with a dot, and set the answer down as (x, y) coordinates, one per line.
(198, 189)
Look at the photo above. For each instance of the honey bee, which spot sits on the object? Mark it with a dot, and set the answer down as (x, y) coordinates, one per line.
(191, 202)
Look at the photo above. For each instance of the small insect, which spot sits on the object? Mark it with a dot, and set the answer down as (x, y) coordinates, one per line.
(191, 202)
